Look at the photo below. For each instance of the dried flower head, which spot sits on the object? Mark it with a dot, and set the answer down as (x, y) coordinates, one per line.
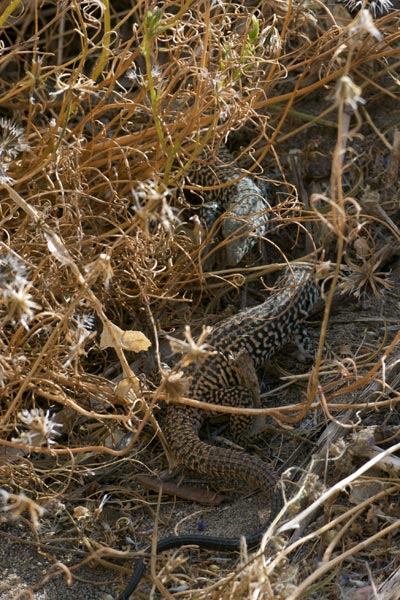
(190, 348)
(20, 305)
(12, 142)
(15, 288)
(41, 428)
(364, 275)
(348, 93)
(12, 270)
(12, 139)
(376, 7)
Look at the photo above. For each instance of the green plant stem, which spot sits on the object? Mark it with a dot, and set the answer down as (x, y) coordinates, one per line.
(147, 43)
(106, 42)
(9, 10)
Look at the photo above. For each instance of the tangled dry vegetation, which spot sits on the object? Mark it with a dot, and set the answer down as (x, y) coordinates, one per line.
(104, 108)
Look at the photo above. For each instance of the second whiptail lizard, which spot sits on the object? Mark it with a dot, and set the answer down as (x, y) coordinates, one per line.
(216, 378)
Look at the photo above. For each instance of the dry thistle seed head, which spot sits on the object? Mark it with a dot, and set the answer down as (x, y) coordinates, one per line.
(366, 275)
(41, 428)
(12, 139)
(14, 291)
(190, 348)
(12, 270)
(12, 143)
(20, 306)
(376, 7)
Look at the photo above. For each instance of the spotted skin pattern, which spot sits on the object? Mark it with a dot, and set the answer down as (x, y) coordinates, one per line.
(258, 332)
(236, 196)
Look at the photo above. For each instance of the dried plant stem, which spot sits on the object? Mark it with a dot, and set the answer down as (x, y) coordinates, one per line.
(110, 109)
(334, 562)
(340, 486)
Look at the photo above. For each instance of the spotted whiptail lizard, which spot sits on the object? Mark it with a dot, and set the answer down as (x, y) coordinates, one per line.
(236, 198)
(215, 377)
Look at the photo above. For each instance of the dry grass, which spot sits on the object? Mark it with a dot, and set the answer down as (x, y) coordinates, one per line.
(104, 107)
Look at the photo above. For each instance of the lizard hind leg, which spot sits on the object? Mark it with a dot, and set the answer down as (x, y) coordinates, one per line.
(245, 393)
(244, 428)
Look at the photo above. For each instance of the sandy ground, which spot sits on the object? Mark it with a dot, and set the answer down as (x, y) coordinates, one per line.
(22, 568)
